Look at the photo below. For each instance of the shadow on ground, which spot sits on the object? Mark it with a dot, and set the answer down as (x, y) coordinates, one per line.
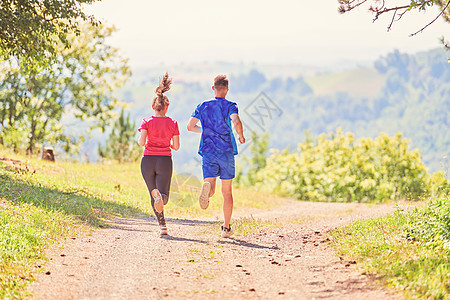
(134, 224)
(19, 188)
(238, 242)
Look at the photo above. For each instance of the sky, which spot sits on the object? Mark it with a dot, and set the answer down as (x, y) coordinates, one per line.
(299, 32)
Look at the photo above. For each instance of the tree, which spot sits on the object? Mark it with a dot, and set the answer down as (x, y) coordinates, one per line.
(249, 82)
(34, 29)
(121, 144)
(398, 11)
(81, 81)
(259, 149)
(336, 167)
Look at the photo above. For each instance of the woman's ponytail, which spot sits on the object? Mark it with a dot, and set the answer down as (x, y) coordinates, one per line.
(161, 101)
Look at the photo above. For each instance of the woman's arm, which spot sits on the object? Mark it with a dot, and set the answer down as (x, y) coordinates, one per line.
(175, 142)
(142, 138)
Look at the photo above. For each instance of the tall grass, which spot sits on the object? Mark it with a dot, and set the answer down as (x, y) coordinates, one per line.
(408, 250)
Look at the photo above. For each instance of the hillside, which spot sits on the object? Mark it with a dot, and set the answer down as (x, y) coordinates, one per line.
(358, 83)
(400, 92)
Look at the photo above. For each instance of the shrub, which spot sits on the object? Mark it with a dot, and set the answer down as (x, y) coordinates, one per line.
(335, 167)
(431, 225)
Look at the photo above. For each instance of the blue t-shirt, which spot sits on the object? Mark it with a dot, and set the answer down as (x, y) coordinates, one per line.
(217, 135)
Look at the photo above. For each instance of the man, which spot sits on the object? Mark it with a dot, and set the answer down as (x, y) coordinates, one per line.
(218, 146)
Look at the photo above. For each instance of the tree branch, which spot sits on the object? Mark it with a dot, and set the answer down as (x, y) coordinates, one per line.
(434, 20)
(392, 21)
(446, 45)
(346, 5)
(379, 12)
(402, 14)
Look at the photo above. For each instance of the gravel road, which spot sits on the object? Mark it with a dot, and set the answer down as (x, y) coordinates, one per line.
(129, 260)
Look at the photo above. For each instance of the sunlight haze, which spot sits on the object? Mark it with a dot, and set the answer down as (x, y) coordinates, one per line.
(306, 32)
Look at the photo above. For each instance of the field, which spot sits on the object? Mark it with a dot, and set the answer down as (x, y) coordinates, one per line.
(358, 83)
(44, 205)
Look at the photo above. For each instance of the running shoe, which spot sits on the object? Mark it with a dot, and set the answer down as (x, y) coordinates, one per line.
(203, 200)
(227, 232)
(163, 230)
(159, 205)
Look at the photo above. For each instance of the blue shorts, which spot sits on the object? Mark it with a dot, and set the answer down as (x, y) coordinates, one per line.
(215, 165)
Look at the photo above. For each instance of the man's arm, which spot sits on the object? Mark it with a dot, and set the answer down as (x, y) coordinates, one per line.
(192, 125)
(238, 126)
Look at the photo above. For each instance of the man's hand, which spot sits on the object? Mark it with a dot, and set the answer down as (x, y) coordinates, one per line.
(238, 126)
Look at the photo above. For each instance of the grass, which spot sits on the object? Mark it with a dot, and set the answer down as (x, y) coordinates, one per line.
(25, 232)
(42, 203)
(384, 247)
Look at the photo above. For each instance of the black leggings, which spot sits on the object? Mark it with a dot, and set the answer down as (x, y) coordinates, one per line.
(157, 173)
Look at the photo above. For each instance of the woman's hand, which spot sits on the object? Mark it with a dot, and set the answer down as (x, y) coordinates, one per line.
(175, 142)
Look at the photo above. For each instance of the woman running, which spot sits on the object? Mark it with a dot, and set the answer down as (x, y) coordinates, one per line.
(159, 134)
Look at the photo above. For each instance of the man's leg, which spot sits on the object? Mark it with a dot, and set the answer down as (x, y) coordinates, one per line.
(208, 188)
(227, 193)
(210, 170)
(212, 182)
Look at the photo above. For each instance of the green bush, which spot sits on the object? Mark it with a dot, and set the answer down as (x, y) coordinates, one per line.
(335, 167)
(432, 224)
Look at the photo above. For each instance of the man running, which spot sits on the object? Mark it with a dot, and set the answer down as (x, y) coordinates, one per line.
(218, 146)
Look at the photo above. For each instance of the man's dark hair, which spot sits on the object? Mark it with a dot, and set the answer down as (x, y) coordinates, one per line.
(221, 81)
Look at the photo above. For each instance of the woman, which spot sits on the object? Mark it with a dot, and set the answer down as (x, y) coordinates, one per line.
(159, 134)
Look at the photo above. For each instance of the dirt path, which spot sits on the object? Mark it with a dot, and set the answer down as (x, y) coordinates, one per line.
(130, 261)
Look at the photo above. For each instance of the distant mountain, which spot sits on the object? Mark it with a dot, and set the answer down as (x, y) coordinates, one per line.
(399, 92)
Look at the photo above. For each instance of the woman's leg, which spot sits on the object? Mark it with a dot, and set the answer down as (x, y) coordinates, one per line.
(164, 176)
(148, 170)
